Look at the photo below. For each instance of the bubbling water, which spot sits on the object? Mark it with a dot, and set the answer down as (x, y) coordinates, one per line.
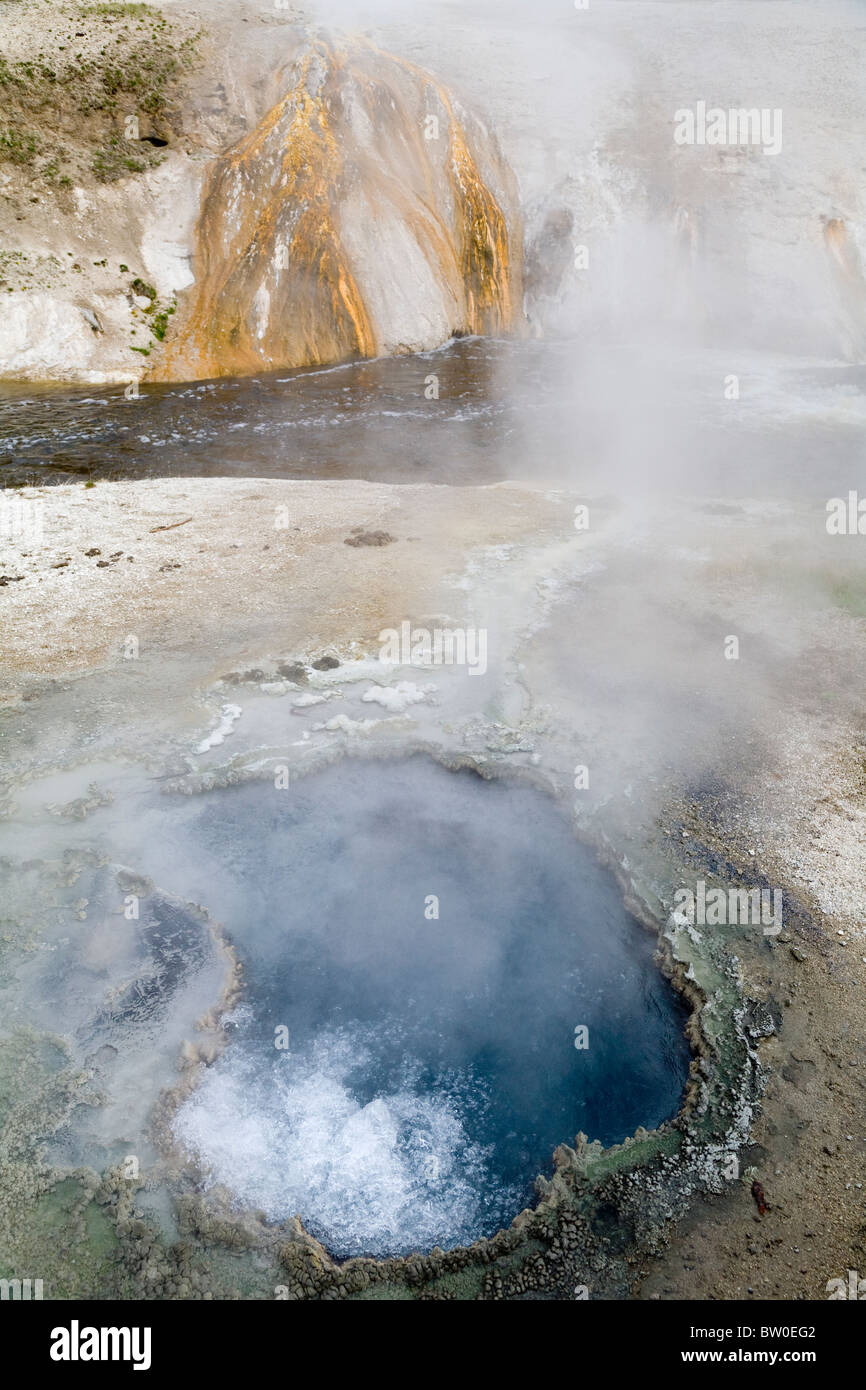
(380, 1176)
(421, 950)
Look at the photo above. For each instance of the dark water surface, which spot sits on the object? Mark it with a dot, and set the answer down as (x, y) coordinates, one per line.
(560, 412)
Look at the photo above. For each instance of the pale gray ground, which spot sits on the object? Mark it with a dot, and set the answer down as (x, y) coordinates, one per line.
(606, 647)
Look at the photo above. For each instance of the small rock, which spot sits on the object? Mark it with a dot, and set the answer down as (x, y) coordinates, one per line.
(292, 671)
(370, 538)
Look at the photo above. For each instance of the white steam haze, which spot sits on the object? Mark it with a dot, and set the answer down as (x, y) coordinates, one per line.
(703, 263)
(727, 243)
(691, 371)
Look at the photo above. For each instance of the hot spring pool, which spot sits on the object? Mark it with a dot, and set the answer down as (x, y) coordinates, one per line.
(396, 1077)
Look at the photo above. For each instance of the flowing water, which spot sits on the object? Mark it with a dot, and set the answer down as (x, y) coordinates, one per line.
(428, 1065)
(555, 412)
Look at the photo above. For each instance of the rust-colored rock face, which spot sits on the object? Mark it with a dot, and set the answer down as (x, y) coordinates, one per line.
(840, 246)
(848, 273)
(365, 215)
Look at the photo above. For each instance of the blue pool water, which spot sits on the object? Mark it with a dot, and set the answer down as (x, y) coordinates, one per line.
(399, 1078)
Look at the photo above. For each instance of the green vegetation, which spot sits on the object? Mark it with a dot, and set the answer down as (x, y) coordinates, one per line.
(112, 162)
(158, 316)
(73, 114)
(109, 11)
(848, 593)
(143, 73)
(20, 147)
(141, 287)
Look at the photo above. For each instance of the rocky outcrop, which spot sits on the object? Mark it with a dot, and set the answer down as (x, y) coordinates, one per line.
(288, 200)
(366, 214)
(847, 270)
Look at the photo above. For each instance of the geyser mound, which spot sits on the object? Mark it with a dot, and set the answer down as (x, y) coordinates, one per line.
(419, 949)
(367, 214)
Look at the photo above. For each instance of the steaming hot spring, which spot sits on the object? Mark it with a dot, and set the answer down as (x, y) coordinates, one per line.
(440, 986)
